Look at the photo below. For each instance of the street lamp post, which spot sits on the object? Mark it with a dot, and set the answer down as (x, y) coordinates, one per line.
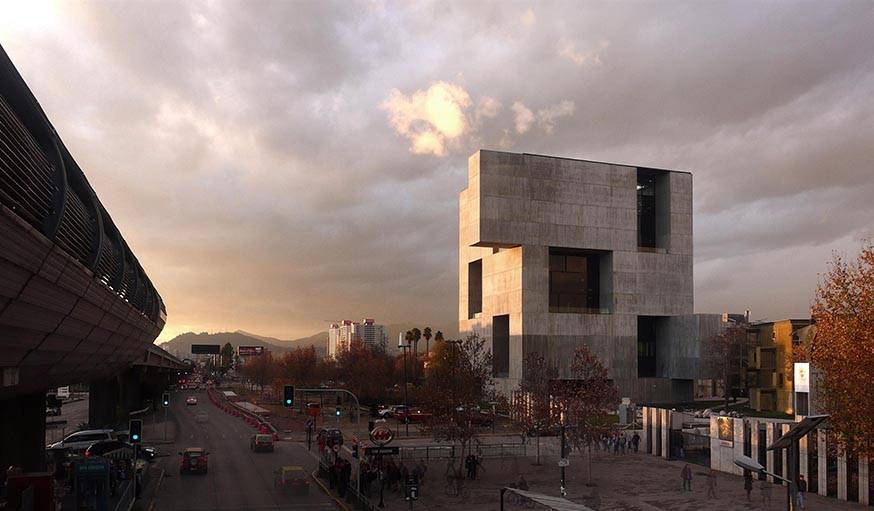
(563, 488)
(404, 347)
(747, 463)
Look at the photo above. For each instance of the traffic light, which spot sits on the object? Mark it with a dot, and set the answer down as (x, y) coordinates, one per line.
(165, 399)
(135, 427)
(288, 396)
(338, 411)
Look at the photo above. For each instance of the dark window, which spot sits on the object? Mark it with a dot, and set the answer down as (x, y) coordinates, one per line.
(574, 280)
(501, 345)
(801, 403)
(653, 209)
(474, 288)
(646, 347)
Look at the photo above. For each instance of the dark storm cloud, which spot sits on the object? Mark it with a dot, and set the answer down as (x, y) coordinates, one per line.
(259, 157)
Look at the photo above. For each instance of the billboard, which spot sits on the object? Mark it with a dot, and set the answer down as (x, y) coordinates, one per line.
(801, 377)
(205, 349)
(725, 427)
(248, 351)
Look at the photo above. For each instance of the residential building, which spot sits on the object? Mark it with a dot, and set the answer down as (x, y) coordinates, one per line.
(341, 335)
(771, 360)
(557, 252)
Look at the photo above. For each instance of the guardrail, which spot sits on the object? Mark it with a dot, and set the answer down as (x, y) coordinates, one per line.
(433, 452)
(255, 419)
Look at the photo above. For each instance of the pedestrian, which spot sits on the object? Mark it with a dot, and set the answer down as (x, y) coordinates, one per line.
(765, 490)
(622, 442)
(686, 475)
(680, 445)
(711, 484)
(748, 484)
(802, 490)
(635, 441)
(521, 483)
(476, 464)
(615, 444)
(468, 464)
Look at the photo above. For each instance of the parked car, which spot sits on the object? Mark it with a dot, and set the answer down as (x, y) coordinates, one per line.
(194, 460)
(413, 415)
(192, 400)
(109, 446)
(387, 412)
(292, 479)
(53, 411)
(262, 443)
(80, 440)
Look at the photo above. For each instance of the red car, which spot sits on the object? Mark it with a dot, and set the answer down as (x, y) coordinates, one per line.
(412, 416)
(194, 460)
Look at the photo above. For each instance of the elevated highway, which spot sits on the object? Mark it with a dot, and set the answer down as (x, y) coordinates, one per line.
(76, 305)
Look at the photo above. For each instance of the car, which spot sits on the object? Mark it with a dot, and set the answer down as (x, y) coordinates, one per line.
(80, 440)
(262, 443)
(53, 411)
(109, 447)
(388, 412)
(194, 460)
(192, 400)
(292, 479)
(414, 415)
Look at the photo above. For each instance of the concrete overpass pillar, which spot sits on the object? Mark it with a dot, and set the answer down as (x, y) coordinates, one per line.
(102, 402)
(132, 389)
(23, 433)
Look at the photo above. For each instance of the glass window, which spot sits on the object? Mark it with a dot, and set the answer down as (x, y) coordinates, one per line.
(574, 280)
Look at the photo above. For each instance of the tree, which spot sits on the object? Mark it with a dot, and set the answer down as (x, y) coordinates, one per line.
(415, 335)
(585, 401)
(366, 372)
(459, 379)
(723, 352)
(301, 367)
(227, 356)
(260, 369)
(531, 405)
(842, 350)
(438, 337)
(426, 333)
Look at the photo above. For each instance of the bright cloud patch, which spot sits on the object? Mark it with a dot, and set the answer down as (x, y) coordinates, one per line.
(430, 118)
(523, 116)
(568, 49)
(547, 116)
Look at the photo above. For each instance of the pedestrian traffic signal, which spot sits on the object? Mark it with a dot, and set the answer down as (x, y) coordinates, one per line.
(135, 428)
(166, 399)
(338, 411)
(288, 396)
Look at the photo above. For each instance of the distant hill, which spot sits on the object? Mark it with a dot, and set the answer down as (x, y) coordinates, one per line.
(181, 344)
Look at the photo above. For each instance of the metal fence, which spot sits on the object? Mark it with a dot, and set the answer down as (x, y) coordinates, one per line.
(436, 452)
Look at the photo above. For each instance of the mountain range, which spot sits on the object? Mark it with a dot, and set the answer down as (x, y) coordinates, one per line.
(181, 344)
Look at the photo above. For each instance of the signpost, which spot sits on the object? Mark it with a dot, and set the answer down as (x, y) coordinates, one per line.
(248, 351)
(380, 435)
(205, 349)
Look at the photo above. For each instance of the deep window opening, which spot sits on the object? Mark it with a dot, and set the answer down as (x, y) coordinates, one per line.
(501, 346)
(474, 288)
(646, 347)
(653, 210)
(575, 280)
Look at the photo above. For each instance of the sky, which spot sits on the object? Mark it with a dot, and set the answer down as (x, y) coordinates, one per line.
(279, 165)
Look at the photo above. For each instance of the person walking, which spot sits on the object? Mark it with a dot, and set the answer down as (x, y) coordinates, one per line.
(615, 444)
(686, 475)
(748, 484)
(622, 442)
(711, 484)
(635, 441)
(802, 490)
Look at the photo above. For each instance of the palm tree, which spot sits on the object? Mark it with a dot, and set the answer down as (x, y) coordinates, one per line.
(416, 334)
(438, 337)
(427, 335)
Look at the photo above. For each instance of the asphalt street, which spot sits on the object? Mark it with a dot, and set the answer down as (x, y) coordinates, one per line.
(238, 479)
(75, 413)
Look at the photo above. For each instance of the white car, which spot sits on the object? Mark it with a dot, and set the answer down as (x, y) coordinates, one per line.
(191, 400)
(81, 440)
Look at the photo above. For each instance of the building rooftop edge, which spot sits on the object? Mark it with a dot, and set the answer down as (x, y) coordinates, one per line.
(589, 161)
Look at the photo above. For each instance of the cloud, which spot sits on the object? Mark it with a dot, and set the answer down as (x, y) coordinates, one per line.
(523, 117)
(528, 18)
(429, 118)
(568, 49)
(486, 108)
(547, 116)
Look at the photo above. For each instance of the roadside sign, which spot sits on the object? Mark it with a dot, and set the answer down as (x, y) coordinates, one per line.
(248, 351)
(381, 435)
(564, 462)
(382, 451)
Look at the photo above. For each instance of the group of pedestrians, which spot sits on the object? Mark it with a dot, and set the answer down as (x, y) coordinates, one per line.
(765, 487)
(339, 475)
(619, 443)
(472, 463)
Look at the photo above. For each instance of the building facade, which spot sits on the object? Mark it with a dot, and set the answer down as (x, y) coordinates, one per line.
(341, 335)
(556, 252)
(771, 363)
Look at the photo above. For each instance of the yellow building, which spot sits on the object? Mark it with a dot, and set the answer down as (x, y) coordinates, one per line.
(771, 358)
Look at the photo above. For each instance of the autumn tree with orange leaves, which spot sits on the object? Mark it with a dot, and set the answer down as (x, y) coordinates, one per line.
(843, 349)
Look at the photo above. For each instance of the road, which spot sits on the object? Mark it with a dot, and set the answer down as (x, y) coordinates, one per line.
(238, 479)
(75, 413)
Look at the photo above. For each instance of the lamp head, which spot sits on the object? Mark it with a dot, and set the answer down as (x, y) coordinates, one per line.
(747, 463)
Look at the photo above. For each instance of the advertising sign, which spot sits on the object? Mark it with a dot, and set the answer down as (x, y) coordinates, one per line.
(381, 435)
(725, 425)
(801, 378)
(205, 349)
(382, 451)
(248, 351)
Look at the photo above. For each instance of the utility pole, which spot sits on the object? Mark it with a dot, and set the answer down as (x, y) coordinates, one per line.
(563, 457)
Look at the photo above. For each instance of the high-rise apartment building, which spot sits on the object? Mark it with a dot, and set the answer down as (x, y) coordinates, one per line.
(341, 335)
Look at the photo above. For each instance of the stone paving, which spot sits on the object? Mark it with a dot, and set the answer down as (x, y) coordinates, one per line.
(632, 482)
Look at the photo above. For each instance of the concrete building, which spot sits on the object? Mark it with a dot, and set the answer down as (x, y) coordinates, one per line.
(341, 335)
(555, 252)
